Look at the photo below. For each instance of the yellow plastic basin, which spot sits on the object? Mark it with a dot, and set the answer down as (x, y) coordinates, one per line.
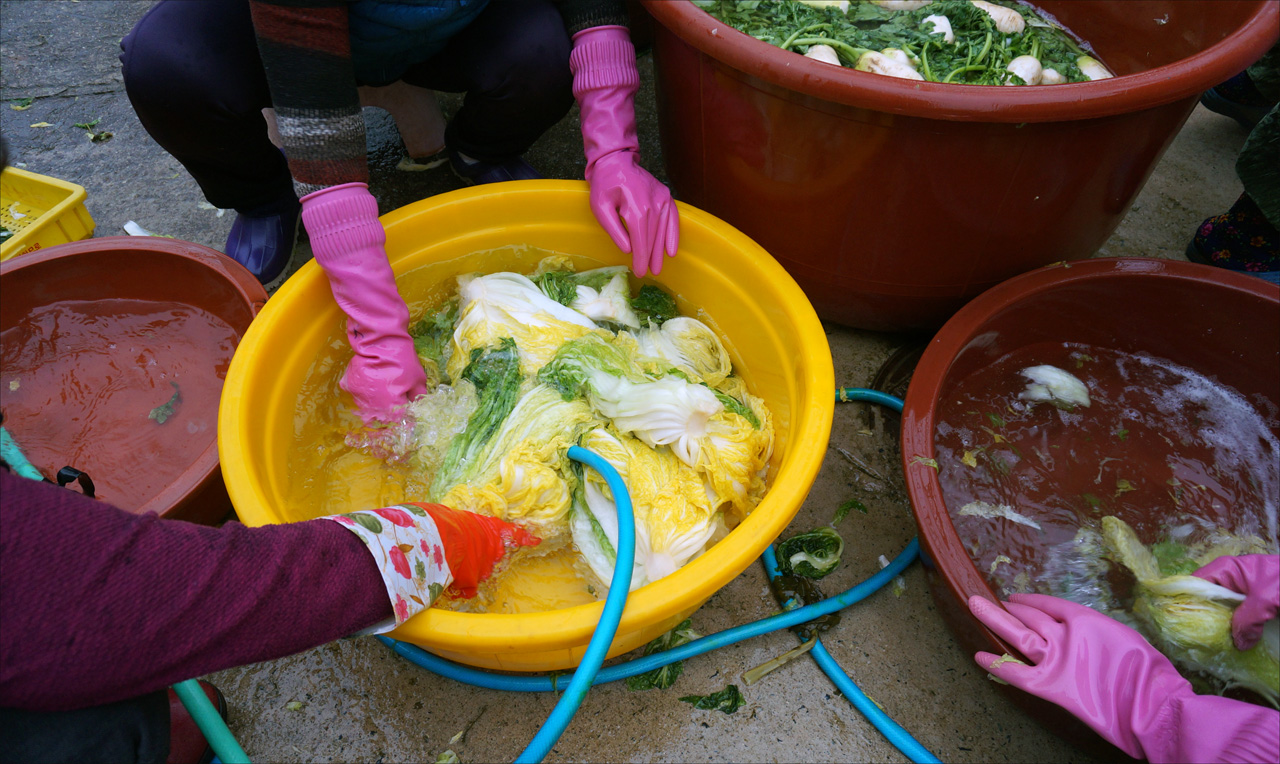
(721, 276)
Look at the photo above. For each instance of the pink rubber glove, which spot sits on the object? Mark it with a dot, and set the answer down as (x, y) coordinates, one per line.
(1257, 576)
(632, 206)
(348, 242)
(1112, 679)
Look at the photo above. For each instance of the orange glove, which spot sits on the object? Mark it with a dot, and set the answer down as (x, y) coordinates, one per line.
(473, 543)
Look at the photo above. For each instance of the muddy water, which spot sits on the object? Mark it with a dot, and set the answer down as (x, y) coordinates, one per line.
(125, 390)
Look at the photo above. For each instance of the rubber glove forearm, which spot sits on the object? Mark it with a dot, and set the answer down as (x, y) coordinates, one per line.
(348, 242)
(632, 206)
(1111, 678)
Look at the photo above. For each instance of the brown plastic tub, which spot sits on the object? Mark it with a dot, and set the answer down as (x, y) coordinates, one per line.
(69, 402)
(1221, 324)
(894, 202)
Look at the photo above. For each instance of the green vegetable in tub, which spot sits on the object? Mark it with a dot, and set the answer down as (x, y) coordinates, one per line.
(1190, 618)
(664, 676)
(433, 341)
(522, 474)
(602, 295)
(5, 233)
(959, 41)
(685, 344)
(495, 374)
(654, 305)
(670, 411)
(813, 555)
(511, 305)
(727, 700)
(160, 414)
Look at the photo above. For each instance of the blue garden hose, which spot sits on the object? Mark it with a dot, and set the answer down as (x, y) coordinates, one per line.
(598, 647)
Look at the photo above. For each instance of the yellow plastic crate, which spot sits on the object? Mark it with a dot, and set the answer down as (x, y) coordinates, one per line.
(41, 212)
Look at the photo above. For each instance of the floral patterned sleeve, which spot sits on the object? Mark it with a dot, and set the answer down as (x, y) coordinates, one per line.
(406, 547)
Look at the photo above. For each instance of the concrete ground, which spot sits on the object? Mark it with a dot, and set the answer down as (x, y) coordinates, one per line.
(353, 700)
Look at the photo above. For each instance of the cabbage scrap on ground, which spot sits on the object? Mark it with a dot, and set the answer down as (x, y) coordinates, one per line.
(969, 42)
(529, 365)
(1189, 618)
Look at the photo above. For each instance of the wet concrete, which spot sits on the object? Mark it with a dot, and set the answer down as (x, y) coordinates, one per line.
(353, 700)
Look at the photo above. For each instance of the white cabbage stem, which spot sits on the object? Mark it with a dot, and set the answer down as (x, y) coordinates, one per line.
(901, 5)
(1049, 383)
(1093, 68)
(1026, 67)
(879, 63)
(843, 5)
(823, 53)
(1007, 20)
(941, 25)
(1051, 77)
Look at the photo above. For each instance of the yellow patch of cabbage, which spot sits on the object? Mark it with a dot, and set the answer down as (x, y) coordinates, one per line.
(734, 456)
(528, 489)
(1190, 618)
(674, 514)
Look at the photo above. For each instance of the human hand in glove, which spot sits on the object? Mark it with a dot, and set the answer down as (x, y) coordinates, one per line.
(348, 242)
(423, 549)
(632, 206)
(1257, 576)
(1111, 678)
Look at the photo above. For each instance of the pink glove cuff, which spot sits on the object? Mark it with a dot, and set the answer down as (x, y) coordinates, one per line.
(603, 57)
(342, 222)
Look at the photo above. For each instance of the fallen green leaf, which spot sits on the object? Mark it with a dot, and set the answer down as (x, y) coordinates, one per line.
(20, 104)
(448, 757)
(925, 461)
(101, 137)
(664, 676)
(42, 124)
(727, 700)
(87, 125)
(294, 705)
(843, 510)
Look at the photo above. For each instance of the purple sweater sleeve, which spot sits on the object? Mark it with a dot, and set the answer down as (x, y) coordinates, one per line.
(98, 605)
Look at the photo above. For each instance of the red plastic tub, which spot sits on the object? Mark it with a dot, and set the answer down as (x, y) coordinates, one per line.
(97, 337)
(893, 202)
(1221, 324)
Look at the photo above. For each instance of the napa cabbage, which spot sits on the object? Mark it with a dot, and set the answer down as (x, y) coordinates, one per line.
(1190, 618)
(519, 473)
(674, 515)
(666, 411)
(510, 305)
(685, 344)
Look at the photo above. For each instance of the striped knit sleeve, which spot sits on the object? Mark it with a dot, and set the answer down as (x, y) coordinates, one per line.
(585, 14)
(306, 51)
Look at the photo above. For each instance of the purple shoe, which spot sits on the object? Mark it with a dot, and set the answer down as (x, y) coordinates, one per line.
(485, 172)
(262, 238)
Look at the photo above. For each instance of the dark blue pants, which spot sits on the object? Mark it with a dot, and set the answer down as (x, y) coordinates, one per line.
(196, 81)
(125, 732)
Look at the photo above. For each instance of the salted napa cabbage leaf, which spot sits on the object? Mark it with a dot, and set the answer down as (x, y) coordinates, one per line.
(510, 305)
(1190, 618)
(688, 345)
(667, 411)
(674, 514)
(516, 463)
(608, 303)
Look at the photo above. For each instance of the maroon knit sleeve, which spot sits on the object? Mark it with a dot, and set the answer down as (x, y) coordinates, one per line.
(98, 605)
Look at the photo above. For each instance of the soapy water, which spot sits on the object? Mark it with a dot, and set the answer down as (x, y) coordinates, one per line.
(1176, 455)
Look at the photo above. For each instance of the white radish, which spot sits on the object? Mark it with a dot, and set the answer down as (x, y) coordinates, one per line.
(879, 63)
(1051, 77)
(1093, 68)
(942, 26)
(1007, 20)
(823, 53)
(902, 57)
(1026, 67)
